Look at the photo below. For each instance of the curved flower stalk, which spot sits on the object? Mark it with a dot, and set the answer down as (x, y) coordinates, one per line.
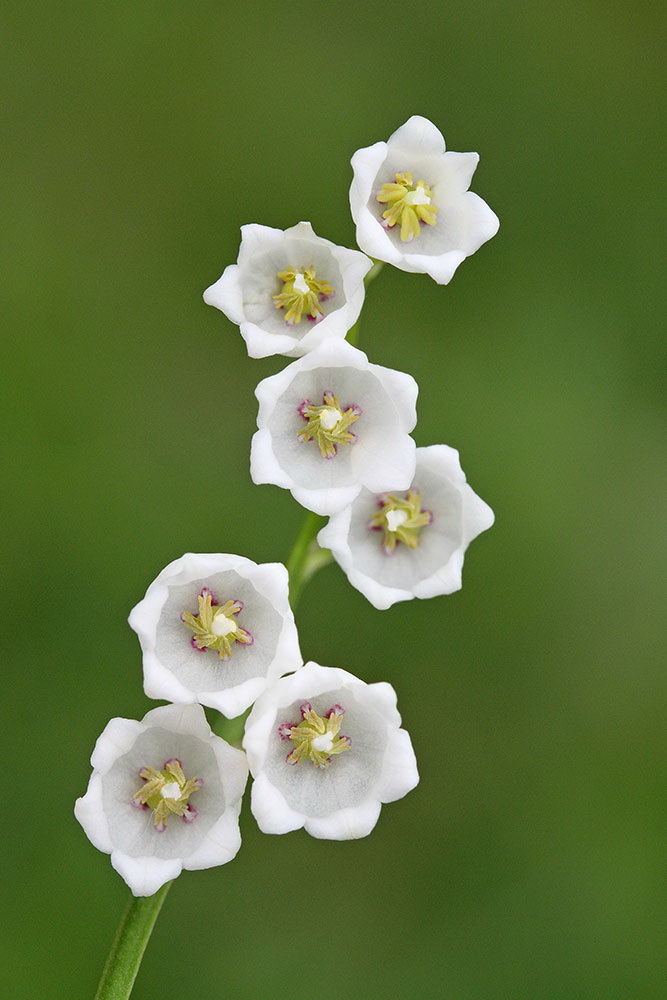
(404, 544)
(410, 201)
(216, 629)
(325, 751)
(165, 794)
(290, 290)
(331, 423)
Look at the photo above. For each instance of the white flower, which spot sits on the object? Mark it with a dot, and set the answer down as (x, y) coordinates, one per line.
(290, 290)
(410, 201)
(164, 795)
(400, 545)
(331, 423)
(216, 629)
(325, 751)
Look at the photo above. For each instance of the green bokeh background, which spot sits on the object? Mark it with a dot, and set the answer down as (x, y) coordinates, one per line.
(138, 137)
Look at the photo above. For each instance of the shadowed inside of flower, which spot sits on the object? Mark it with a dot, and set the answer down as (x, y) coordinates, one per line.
(215, 626)
(316, 738)
(302, 293)
(408, 203)
(328, 424)
(401, 520)
(167, 793)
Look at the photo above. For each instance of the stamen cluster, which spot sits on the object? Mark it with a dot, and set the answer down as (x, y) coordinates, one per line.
(302, 293)
(401, 519)
(316, 738)
(328, 424)
(214, 626)
(167, 793)
(410, 204)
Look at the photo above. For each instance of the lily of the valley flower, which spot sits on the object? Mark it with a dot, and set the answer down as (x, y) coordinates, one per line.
(331, 423)
(165, 794)
(411, 203)
(325, 751)
(290, 290)
(216, 629)
(403, 544)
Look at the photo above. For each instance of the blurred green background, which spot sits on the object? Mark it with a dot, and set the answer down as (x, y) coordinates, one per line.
(138, 138)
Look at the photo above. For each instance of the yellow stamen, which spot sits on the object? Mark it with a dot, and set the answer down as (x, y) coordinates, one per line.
(167, 792)
(316, 737)
(328, 424)
(408, 204)
(215, 627)
(401, 520)
(302, 293)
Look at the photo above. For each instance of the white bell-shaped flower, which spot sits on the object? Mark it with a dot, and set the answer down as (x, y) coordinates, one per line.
(411, 203)
(331, 423)
(216, 629)
(325, 751)
(165, 794)
(290, 290)
(403, 544)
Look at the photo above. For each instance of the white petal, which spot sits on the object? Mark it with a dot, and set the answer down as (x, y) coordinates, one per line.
(269, 808)
(145, 858)
(441, 268)
(399, 774)
(419, 137)
(174, 671)
(458, 169)
(346, 824)
(246, 291)
(326, 501)
(464, 221)
(188, 719)
(220, 845)
(116, 739)
(264, 467)
(145, 876)
(342, 802)
(225, 294)
(90, 814)
(435, 566)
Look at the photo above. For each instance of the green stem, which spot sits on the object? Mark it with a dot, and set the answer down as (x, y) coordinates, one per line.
(353, 333)
(306, 556)
(374, 271)
(230, 730)
(129, 946)
(137, 924)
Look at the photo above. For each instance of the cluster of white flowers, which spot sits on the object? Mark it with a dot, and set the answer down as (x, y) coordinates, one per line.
(325, 749)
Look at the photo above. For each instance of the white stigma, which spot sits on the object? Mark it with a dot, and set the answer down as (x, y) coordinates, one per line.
(222, 625)
(417, 197)
(324, 743)
(395, 518)
(172, 790)
(329, 417)
(300, 284)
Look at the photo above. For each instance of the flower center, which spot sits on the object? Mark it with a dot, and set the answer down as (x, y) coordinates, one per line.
(302, 293)
(408, 204)
(167, 793)
(401, 520)
(215, 627)
(316, 738)
(328, 424)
